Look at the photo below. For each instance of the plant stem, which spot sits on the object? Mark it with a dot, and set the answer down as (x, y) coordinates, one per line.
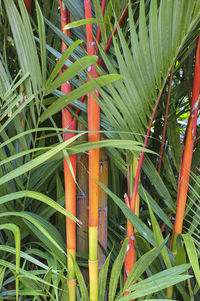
(115, 30)
(188, 152)
(70, 185)
(65, 19)
(93, 135)
(130, 255)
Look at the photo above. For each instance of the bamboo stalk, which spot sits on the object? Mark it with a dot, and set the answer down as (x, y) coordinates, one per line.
(93, 126)
(68, 122)
(131, 255)
(188, 152)
(65, 19)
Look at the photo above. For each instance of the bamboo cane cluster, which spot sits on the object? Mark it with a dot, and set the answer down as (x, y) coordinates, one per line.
(132, 199)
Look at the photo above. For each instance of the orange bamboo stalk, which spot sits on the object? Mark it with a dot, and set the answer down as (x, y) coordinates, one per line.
(28, 4)
(93, 126)
(68, 122)
(131, 255)
(188, 152)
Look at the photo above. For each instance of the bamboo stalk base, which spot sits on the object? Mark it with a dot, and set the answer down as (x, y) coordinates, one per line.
(93, 274)
(71, 289)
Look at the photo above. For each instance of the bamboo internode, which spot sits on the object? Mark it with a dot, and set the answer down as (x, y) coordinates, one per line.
(93, 135)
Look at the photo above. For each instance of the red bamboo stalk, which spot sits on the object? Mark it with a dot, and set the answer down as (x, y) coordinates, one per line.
(131, 252)
(188, 152)
(93, 126)
(165, 122)
(28, 4)
(103, 178)
(65, 19)
(69, 123)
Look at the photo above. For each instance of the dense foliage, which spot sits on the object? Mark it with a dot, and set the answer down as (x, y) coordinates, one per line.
(145, 83)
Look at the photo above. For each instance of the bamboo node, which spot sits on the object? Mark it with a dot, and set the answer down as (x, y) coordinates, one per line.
(103, 161)
(93, 261)
(82, 196)
(103, 208)
(71, 280)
